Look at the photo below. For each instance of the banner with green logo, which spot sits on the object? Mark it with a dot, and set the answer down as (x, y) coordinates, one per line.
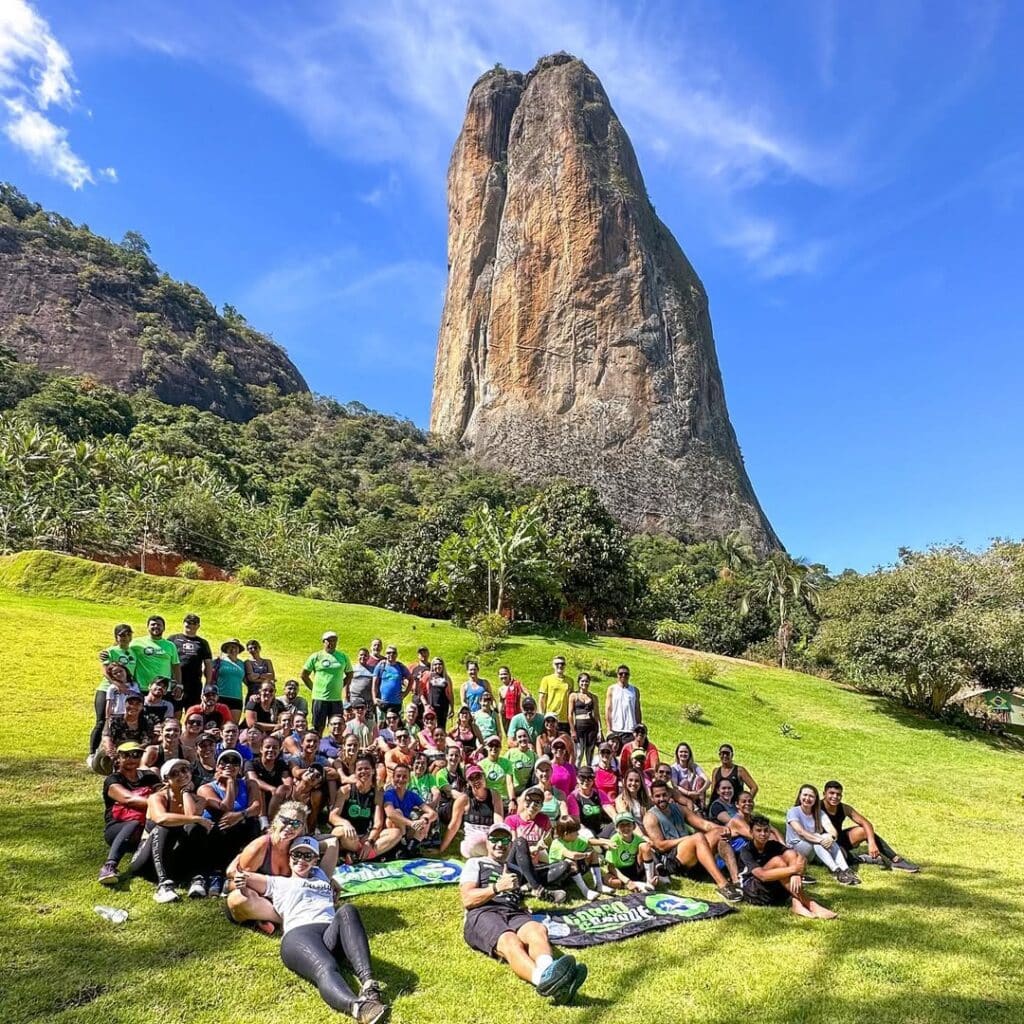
(395, 874)
(611, 920)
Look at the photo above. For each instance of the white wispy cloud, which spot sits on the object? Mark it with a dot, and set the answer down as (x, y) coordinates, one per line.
(36, 74)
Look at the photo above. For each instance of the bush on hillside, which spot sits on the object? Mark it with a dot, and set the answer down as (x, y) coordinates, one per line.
(693, 712)
(249, 576)
(679, 634)
(703, 670)
(189, 571)
(490, 630)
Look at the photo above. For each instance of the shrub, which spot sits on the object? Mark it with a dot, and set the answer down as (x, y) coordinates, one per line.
(490, 630)
(703, 670)
(189, 571)
(314, 593)
(604, 667)
(249, 576)
(680, 634)
(693, 712)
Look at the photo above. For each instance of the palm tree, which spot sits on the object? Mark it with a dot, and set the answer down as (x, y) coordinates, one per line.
(732, 554)
(785, 583)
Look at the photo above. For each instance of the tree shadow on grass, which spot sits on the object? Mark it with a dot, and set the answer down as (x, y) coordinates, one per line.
(916, 720)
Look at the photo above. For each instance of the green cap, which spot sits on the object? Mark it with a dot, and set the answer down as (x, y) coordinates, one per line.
(620, 818)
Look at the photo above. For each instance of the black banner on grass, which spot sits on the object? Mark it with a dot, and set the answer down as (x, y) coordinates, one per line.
(611, 920)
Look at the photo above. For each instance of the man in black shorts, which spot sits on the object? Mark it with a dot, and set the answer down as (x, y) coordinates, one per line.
(772, 874)
(879, 851)
(685, 843)
(498, 925)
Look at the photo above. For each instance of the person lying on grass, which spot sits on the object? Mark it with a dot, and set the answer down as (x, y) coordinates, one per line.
(685, 843)
(268, 855)
(773, 874)
(862, 831)
(498, 925)
(319, 939)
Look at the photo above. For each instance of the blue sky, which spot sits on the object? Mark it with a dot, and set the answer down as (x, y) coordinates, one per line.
(848, 180)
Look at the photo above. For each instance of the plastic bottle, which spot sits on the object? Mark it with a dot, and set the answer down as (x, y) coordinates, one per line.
(112, 914)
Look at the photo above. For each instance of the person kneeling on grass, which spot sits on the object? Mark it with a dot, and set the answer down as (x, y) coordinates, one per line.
(773, 874)
(405, 810)
(498, 925)
(685, 843)
(879, 851)
(569, 845)
(630, 857)
(318, 938)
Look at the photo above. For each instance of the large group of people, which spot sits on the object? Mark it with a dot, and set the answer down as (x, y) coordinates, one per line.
(219, 780)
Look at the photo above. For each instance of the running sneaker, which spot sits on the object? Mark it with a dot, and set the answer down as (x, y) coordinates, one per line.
(108, 874)
(197, 890)
(370, 1011)
(371, 989)
(902, 864)
(165, 893)
(564, 993)
(553, 895)
(216, 886)
(88, 762)
(866, 858)
(607, 890)
(845, 877)
(808, 880)
(556, 975)
(730, 893)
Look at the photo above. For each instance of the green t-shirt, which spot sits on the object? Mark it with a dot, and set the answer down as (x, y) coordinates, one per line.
(230, 676)
(562, 849)
(621, 854)
(520, 721)
(117, 655)
(153, 658)
(522, 762)
(495, 773)
(423, 785)
(487, 723)
(328, 672)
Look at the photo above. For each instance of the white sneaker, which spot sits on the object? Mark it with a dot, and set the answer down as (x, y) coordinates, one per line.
(88, 762)
(197, 890)
(165, 893)
(607, 890)
(591, 895)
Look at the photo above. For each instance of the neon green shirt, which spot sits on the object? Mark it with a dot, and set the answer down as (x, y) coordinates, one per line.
(328, 672)
(117, 655)
(495, 773)
(621, 854)
(423, 785)
(563, 849)
(153, 658)
(521, 762)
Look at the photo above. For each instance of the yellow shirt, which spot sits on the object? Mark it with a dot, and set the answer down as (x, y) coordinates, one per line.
(557, 691)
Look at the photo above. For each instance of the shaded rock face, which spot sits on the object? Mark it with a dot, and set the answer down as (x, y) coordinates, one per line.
(575, 339)
(68, 313)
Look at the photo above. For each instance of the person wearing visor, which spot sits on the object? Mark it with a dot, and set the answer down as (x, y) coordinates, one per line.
(498, 924)
(125, 798)
(319, 939)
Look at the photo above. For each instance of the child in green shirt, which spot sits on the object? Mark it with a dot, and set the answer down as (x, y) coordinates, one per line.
(567, 845)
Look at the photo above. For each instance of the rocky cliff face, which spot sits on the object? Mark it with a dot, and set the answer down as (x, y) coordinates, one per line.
(73, 303)
(575, 339)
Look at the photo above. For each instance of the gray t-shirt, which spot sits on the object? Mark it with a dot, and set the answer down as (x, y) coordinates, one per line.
(361, 684)
(302, 901)
(805, 821)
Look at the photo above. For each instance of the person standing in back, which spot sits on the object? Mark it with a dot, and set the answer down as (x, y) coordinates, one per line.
(553, 694)
(195, 658)
(622, 712)
(327, 672)
(155, 656)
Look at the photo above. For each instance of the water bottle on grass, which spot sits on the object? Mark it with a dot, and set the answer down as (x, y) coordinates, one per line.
(112, 914)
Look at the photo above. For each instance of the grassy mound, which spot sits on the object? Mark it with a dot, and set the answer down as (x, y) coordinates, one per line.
(943, 946)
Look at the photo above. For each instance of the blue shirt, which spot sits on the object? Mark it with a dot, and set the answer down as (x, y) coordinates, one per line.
(407, 804)
(391, 679)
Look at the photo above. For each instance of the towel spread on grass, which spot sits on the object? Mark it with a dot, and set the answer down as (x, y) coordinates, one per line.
(395, 874)
(611, 920)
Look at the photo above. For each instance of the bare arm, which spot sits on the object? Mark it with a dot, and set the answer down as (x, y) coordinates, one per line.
(748, 781)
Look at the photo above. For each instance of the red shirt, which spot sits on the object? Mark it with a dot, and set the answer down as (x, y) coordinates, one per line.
(513, 699)
(651, 760)
(607, 784)
(221, 711)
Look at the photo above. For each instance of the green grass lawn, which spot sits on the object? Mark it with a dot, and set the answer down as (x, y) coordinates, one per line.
(945, 945)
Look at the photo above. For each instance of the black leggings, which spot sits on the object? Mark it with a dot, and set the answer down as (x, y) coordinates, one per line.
(176, 853)
(316, 952)
(122, 837)
(537, 876)
(100, 706)
(225, 844)
(586, 741)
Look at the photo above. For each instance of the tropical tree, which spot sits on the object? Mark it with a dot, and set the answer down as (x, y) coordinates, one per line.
(784, 584)
(732, 553)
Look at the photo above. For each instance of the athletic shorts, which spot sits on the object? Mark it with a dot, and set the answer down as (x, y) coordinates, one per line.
(635, 872)
(485, 925)
(765, 894)
(844, 839)
(671, 866)
(234, 703)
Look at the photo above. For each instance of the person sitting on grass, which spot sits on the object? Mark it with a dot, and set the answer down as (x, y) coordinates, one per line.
(319, 939)
(686, 843)
(466, 733)
(357, 816)
(807, 833)
(722, 806)
(474, 811)
(234, 811)
(568, 845)
(607, 775)
(633, 798)
(528, 857)
(406, 810)
(651, 758)
(689, 778)
(170, 746)
(862, 831)
(268, 855)
(521, 757)
(739, 776)
(498, 770)
(263, 709)
(177, 844)
(498, 925)
(125, 799)
(230, 739)
(739, 823)
(204, 767)
(269, 777)
(773, 875)
(630, 857)
(422, 780)
(128, 728)
(210, 708)
(291, 700)
(595, 820)
(555, 803)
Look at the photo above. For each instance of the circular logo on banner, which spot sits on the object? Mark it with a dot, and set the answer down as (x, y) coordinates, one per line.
(667, 905)
(436, 872)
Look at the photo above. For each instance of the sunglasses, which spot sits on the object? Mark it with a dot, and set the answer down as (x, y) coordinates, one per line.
(131, 753)
(500, 841)
(290, 822)
(306, 855)
(533, 800)
(194, 721)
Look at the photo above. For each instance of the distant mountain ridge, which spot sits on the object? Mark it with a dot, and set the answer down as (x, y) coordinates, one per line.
(74, 303)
